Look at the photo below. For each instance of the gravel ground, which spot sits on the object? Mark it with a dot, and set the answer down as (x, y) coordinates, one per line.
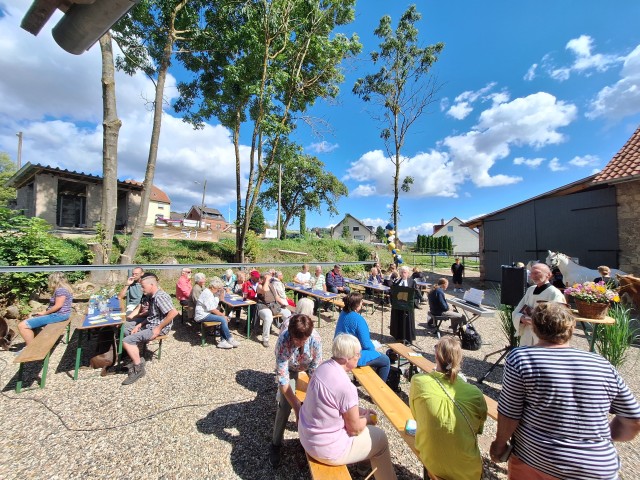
(202, 412)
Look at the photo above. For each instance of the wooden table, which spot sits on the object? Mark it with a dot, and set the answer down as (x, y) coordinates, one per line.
(310, 292)
(113, 318)
(597, 325)
(418, 360)
(231, 301)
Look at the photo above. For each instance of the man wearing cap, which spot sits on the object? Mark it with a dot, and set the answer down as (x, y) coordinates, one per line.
(250, 287)
(183, 287)
(335, 281)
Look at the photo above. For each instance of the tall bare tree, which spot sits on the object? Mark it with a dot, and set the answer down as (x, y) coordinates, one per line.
(402, 89)
(111, 128)
(147, 37)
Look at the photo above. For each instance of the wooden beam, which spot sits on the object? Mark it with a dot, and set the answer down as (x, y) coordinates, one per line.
(38, 14)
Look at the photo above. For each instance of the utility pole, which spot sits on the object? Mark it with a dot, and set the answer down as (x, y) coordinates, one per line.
(19, 135)
(204, 191)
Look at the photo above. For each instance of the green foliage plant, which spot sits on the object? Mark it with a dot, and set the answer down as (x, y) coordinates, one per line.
(27, 241)
(346, 234)
(613, 341)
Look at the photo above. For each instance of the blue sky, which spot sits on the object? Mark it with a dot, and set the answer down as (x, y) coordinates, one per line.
(533, 97)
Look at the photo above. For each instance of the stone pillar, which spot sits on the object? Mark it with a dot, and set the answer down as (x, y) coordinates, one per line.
(628, 198)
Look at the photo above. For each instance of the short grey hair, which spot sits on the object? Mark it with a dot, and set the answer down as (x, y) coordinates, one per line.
(228, 272)
(345, 346)
(305, 306)
(216, 282)
(404, 268)
(199, 277)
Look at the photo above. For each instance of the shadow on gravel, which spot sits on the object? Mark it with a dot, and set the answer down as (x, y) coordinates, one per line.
(247, 428)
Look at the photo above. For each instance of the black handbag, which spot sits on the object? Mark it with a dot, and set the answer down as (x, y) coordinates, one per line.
(469, 338)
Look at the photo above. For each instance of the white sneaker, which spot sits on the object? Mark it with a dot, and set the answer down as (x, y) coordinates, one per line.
(233, 342)
(224, 344)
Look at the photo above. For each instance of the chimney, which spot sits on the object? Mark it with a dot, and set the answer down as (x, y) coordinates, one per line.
(442, 221)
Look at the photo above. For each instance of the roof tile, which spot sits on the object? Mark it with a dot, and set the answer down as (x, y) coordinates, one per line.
(625, 163)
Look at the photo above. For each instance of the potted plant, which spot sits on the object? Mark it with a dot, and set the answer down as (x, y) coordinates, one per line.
(592, 299)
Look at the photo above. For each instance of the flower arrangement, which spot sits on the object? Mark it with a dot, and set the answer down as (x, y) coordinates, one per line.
(591, 292)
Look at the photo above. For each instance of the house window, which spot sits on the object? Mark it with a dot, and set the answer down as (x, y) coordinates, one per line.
(356, 229)
(160, 207)
(450, 228)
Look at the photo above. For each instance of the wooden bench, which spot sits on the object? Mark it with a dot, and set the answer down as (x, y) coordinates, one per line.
(319, 471)
(426, 366)
(40, 348)
(158, 351)
(203, 327)
(369, 304)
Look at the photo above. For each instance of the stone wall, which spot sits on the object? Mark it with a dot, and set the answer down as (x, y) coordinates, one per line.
(628, 198)
(46, 198)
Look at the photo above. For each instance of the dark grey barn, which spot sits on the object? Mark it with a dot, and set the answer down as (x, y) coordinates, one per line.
(579, 219)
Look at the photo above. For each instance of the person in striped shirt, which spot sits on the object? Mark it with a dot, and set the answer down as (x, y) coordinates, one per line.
(555, 404)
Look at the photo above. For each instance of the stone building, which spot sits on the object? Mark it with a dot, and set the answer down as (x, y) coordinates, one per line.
(68, 199)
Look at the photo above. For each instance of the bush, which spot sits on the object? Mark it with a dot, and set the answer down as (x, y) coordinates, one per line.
(614, 340)
(27, 241)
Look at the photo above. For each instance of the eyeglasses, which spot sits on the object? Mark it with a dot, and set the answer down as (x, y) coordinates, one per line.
(187, 271)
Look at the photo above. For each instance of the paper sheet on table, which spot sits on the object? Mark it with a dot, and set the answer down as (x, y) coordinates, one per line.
(95, 322)
(97, 317)
(474, 295)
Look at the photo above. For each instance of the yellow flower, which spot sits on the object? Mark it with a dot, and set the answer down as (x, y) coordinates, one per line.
(601, 288)
(616, 298)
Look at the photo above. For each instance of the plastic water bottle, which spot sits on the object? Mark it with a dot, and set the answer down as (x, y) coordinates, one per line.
(92, 305)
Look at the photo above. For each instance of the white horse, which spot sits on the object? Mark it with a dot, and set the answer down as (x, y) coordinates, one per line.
(573, 273)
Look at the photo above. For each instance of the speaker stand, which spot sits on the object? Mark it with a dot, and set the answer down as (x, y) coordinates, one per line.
(505, 352)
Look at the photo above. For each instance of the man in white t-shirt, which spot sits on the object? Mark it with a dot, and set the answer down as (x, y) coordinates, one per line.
(304, 277)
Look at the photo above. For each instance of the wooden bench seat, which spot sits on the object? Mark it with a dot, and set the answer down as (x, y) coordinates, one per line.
(319, 471)
(40, 349)
(203, 327)
(158, 351)
(427, 366)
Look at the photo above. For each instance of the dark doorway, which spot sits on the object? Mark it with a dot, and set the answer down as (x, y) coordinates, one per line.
(72, 204)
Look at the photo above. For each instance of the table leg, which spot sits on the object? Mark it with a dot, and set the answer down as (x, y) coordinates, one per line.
(120, 339)
(248, 321)
(78, 354)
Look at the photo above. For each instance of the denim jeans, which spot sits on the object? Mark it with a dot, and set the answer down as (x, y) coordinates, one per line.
(381, 365)
(224, 327)
(43, 320)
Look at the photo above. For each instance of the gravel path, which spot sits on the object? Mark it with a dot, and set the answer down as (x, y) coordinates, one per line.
(200, 413)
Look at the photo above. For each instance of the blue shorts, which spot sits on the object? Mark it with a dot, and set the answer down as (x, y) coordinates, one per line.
(55, 317)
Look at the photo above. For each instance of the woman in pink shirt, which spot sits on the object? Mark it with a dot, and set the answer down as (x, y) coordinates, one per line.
(332, 428)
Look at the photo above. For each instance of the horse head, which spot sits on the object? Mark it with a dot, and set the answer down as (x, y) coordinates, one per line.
(552, 259)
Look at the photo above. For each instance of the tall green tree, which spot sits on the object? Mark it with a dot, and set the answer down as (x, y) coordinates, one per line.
(256, 224)
(402, 89)
(305, 186)
(7, 169)
(147, 36)
(380, 236)
(262, 63)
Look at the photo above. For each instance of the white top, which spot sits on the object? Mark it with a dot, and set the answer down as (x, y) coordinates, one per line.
(303, 278)
(206, 302)
(531, 297)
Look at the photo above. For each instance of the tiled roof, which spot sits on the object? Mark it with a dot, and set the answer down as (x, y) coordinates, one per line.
(625, 163)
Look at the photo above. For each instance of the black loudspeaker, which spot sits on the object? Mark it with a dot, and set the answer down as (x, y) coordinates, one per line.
(514, 284)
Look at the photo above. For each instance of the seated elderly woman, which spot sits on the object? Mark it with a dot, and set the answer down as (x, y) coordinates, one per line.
(555, 405)
(333, 429)
(350, 321)
(304, 306)
(207, 310)
(450, 414)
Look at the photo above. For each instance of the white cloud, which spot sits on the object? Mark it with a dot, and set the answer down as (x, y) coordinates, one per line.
(621, 99)
(531, 73)
(529, 162)
(461, 107)
(363, 191)
(459, 111)
(444, 104)
(528, 121)
(411, 233)
(556, 166)
(41, 82)
(584, 62)
(532, 121)
(584, 161)
(376, 222)
(431, 173)
(323, 147)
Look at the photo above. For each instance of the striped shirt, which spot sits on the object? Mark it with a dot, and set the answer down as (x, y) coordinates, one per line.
(562, 397)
